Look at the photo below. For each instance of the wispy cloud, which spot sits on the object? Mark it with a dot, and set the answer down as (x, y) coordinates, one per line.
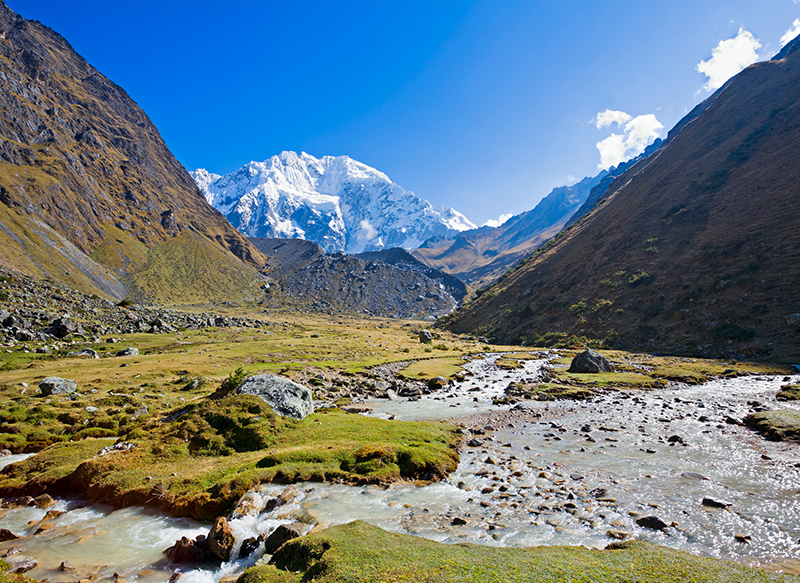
(637, 133)
(728, 58)
(497, 222)
(791, 33)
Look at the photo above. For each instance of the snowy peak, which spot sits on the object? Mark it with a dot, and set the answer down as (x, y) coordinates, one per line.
(337, 202)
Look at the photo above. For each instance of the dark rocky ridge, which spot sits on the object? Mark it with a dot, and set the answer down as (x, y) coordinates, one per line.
(303, 274)
(695, 253)
(78, 157)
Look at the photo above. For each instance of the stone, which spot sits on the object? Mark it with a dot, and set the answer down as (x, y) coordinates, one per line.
(63, 326)
(86, 352)
(425, 336)
(712, 503)
(131, 351)
(66, 566)
(44, 501)
(457, 521)
(20, 563)
(18, 502)
(281, 535)
(437, 383)
(220, 539)
(590, 361)
(6, 535)
(651, 522)
(285, 396)
(617, 534)
(57, 386)
(187, 551)
(474, 442)
(249, 546)
(742, 538)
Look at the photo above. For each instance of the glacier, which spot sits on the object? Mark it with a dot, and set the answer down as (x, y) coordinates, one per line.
(335, 201)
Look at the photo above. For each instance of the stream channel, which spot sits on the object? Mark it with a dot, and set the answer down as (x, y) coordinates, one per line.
(540, 473)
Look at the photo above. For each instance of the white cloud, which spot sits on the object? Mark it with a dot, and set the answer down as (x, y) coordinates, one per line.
(728, 58)
(497, 222)
(638, 133)
(791, 33)
(609, 117)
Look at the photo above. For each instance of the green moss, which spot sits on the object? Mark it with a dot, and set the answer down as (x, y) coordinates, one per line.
(789, 393)
(198, 460)
(780, 425)
(361, 553)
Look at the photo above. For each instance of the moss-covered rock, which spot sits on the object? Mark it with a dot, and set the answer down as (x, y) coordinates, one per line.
(789, 393)
(779, 425)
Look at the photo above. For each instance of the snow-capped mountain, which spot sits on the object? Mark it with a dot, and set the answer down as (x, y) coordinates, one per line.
(337, 202)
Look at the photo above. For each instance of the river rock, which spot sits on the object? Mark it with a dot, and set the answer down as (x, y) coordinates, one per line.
(651, 522)
(249, 546)
(44, 501)
(590, 361)
(617, 534)
(187, 551)
(18, 502)
(437, 383)
(66, 566)
(130, 351)
(6, 535)
(281, 535)
(285, 396)
(220, 539)
(712, 503)
(21, 563)
(57, 386)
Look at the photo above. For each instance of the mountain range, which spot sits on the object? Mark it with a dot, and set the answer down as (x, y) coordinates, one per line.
(337, 202)
(693, 250)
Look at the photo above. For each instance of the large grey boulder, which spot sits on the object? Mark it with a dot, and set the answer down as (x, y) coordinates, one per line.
(284, 395)
(590, 361)
(57, 386)
(132, 351)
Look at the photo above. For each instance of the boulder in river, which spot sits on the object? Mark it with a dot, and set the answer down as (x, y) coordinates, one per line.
(187, 551)
(57, 386)
(285, 396)
(651, 522)
(21, 564)
(590, 361)
(281, 535)
(6, 535)
(220, 539)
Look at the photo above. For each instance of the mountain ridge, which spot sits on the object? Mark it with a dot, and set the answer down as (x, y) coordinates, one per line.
(78, 158)
(335, 201)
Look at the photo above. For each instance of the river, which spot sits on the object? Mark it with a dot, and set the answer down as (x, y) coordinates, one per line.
(541, 473)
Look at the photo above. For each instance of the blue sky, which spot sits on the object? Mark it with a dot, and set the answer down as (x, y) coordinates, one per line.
(483, 106)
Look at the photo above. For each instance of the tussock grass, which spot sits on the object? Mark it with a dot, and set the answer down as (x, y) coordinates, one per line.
(360, 553)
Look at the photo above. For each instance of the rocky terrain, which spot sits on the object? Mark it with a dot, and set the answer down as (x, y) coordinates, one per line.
(35, 310)
(303, 275)
(691, 251)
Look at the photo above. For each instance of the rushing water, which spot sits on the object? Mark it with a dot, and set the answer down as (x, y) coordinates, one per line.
(543, 473)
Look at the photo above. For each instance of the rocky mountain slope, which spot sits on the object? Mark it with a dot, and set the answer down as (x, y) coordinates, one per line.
(694, 251)
(337, 202)
(88, 187)
(480, 256)
(304, 276)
